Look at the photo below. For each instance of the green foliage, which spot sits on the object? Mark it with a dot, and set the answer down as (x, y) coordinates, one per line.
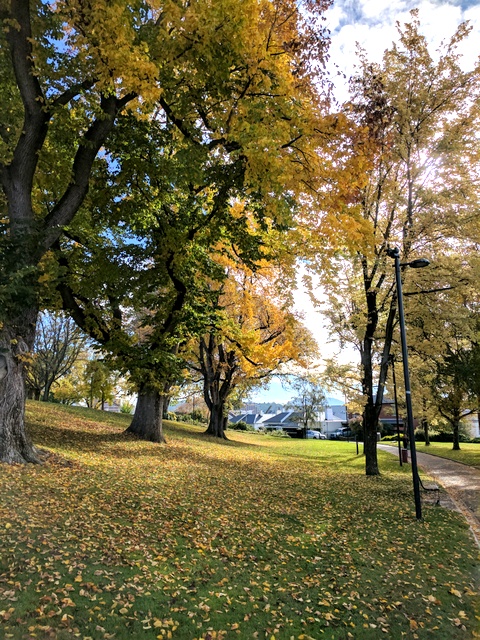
(98, 383)
(277, 433)
(241, 426)
(309, 399)
(126, 407)
(394, 438)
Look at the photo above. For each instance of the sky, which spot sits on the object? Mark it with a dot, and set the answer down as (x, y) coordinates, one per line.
(372, 24)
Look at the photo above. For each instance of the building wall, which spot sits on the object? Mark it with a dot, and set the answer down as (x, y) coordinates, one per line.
(472, 424)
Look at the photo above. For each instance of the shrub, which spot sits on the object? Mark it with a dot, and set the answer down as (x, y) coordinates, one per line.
(278, 433)
(240, 426)
(393, 438)
(443, 436)
(126, 407)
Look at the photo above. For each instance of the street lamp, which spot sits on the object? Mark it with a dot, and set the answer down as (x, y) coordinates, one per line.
(414, 264)
(392, 362)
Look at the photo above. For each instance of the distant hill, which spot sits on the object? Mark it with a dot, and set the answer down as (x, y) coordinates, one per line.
(262, 407)
(335, 402)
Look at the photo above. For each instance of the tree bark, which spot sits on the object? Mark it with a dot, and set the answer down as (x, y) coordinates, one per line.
(425, 425)
(456, 433)
(16, 342)
(370, 414)
(370, 437)
(218, 422)
(147, 422)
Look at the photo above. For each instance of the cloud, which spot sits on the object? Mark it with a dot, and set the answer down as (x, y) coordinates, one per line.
(372, 24)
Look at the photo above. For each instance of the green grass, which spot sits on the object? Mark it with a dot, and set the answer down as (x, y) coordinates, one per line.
(258, 537)
(469, 452)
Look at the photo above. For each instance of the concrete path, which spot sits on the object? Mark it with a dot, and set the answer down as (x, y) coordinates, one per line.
(461, 482)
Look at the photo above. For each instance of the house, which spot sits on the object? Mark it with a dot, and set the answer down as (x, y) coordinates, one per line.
(288, 421)
(253, 419)
(334, 418)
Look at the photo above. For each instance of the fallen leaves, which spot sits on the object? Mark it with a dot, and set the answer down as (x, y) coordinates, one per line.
(204, 540)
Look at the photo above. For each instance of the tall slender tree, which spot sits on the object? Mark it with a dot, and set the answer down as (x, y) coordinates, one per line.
(417, 126)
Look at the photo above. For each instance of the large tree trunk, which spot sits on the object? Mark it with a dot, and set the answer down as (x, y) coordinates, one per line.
(456, 433)
(147, 421)
(370, 418)
(370, 413)
(218, 421)
(16, 342)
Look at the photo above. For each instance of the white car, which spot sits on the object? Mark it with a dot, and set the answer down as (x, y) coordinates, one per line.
(316, 435)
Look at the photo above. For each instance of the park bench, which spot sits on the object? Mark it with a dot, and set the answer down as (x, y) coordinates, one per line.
(432, 487)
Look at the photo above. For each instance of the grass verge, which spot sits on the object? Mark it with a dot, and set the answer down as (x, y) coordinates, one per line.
(258, 537)
(469, 452)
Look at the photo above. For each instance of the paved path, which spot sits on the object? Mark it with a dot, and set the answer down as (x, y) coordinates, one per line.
(461, 482)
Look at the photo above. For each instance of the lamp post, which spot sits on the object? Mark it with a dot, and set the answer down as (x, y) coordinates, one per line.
(392, 360)
(415, 264)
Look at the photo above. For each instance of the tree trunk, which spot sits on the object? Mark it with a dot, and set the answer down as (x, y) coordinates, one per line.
(46, 392)
(166, 406)
(16, 341)
(370, 414)
(456, 433)
(426, 431)
(370, 444)
(147, 419)
(218, 422)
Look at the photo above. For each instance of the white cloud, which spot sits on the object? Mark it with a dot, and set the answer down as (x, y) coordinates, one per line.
(372, 24)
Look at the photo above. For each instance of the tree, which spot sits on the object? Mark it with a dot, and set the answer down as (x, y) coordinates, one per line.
(254, 336)
(179, 194)
(417, 125)
(309, 399)
(58, 344)
(69, 83)
(98, 384)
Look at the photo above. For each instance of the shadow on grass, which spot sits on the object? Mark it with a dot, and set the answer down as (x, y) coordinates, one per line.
(116, 444)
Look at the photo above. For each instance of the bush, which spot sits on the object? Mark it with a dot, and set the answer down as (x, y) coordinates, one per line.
(420, 436)
(278, 433)
(390, 438)
(126, 407)
(238, 426)
(443, 436)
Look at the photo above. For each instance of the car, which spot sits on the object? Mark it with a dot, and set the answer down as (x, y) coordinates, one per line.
(316, 435)
(340, 434)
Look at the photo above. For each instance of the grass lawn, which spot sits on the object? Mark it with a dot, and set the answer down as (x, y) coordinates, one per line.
(258, 537)
(469, 451)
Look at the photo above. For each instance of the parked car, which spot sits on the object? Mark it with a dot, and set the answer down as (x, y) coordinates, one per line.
(316, 435)
(342, 433)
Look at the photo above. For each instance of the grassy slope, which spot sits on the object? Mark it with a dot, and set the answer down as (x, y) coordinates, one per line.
(469, 452)
(253, 538)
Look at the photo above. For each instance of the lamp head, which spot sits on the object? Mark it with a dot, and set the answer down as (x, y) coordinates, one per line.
(419, 263)
(393, 252)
